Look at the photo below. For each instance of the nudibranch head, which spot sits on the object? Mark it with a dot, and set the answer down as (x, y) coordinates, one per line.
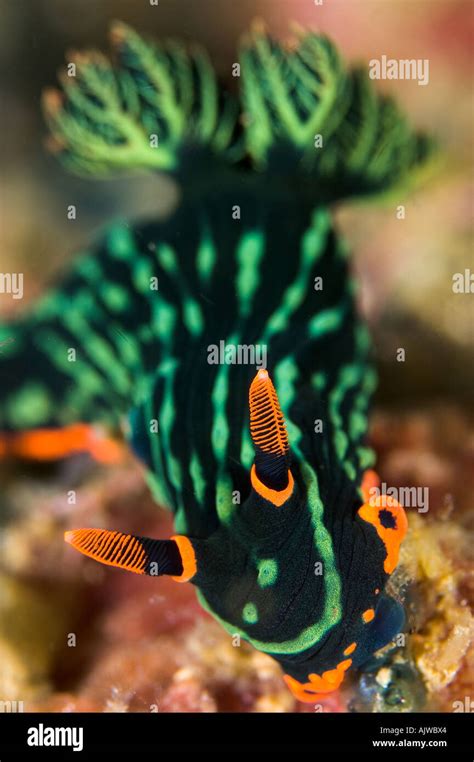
(298, 571)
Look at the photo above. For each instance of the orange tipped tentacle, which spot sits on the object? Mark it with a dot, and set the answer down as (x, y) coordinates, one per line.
(267, 425)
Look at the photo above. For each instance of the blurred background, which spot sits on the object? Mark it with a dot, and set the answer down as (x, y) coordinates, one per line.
(422, 428)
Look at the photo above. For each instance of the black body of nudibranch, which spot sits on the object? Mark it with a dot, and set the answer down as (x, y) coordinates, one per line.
(244, 287)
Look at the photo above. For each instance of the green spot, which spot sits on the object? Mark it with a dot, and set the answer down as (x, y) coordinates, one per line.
(220, 425)
(357, 425)
(167, 258)
(164, 319)
(325, 322)
(224, 505)
(367, 457)
(319, 380)
(267, 572)
(88, 267)
(30, 406)
(142, 275)
(206, 258)
(129, 349)
(250, 613)
(115, 297)
(340, 443)
(247, 453)
(192, 316)
(249, 253)
(120, 242)
(350, 470)
(84, 302)
(197, 475)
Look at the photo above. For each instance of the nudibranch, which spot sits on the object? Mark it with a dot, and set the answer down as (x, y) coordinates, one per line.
(275, 519)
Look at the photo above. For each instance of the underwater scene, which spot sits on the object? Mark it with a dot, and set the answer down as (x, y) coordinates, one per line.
(236, 357)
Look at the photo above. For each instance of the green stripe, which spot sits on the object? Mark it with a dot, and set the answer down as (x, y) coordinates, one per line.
(220, 426)
(249, 254)
(197, 475)
(286, 376)
(97, 349)
(312, 247)
(87, 381)
(349, 376)
(192, 315)
(224, 506)
(166, 422)
(358, 422)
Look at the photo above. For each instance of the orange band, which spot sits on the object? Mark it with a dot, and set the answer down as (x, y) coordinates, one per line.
(188, 558)
(275, 496)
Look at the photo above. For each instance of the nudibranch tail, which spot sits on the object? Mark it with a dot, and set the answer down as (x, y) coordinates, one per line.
(141, 555)
(269, 436)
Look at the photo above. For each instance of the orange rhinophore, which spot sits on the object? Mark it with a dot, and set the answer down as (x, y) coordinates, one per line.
(267, 425)
(270, 476)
